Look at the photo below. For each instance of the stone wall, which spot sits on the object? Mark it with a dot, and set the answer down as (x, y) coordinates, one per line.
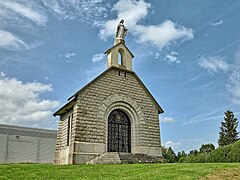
(62, 150)
(92, 129)
(114, 89)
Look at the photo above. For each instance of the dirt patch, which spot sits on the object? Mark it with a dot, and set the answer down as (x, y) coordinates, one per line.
(228, 174)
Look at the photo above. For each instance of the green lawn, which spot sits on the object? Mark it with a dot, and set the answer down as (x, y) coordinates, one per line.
(122, 171)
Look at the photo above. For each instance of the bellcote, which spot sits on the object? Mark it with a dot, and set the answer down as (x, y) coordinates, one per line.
(119, 55)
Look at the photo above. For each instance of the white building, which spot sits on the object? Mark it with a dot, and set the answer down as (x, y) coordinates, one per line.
(22, 144)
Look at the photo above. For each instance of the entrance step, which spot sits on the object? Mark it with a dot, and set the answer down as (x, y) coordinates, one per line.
(123, 158)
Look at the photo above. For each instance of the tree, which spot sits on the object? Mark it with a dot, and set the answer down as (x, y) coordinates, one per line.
(228, 131)
(169, 155)
(181, 154)
(193, 152)
(206, 148)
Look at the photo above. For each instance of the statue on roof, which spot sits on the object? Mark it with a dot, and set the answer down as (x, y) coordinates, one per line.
(121, 30)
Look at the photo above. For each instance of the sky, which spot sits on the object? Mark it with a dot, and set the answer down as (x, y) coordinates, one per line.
(187, 53)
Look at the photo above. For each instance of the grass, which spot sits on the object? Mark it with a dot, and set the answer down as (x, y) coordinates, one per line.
(122, 171)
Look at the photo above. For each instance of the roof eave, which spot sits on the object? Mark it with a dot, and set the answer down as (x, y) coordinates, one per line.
(69, 105)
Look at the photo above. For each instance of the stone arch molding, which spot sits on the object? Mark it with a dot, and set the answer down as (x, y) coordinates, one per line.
(130, 107)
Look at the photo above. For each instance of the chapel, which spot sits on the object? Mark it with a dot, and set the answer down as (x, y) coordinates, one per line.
(112, 119)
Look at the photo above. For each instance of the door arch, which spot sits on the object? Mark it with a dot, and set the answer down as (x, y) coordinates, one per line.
(119, 132)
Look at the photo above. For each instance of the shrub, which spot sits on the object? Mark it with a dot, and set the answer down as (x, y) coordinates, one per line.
(234, 154)
(220, 154)
(199, 158)
(228, 153)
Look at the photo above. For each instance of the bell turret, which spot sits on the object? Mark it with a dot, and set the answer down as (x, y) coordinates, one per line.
(119, 55)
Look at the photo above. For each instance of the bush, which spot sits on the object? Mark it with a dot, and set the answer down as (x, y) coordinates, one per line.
(228, 153)
(221, 154)
(199, 158)
(234, 154)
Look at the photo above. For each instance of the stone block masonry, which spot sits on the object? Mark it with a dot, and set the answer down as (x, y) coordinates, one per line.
(114, 89)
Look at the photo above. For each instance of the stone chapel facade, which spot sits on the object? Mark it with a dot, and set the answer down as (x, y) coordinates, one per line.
(114, 113)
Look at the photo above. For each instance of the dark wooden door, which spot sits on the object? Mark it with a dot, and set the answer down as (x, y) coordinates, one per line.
(119, 129)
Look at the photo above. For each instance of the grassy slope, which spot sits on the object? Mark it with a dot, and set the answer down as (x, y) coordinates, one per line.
(127, 171)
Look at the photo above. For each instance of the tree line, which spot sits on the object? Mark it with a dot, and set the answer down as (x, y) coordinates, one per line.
(228, 135)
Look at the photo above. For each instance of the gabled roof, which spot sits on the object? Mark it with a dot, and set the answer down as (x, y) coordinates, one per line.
(118, 45)
(73, 97)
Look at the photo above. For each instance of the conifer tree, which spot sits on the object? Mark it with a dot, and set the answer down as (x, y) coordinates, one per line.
(228, 131)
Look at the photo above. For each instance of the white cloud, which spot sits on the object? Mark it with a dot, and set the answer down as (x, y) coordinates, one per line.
(213, 64)
(166, 119)
(9, 41)
(2, 74)
(234, 80)
(97, 57)
(157, 55)
(217, 64)
(172, 57)
(208, 116)
(194, 78)
(69, 55)
(132, 12)
(162, 34)
(29, 17)
(89, 11)
(173, 145)
(217, 23)
(27, 12)
(21, 103)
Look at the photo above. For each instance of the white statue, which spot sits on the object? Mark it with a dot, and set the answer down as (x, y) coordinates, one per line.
(121, 30)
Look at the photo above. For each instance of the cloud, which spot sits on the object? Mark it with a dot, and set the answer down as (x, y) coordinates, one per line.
(21, 103)
(166, 119)
(217, 23)
(166, 32)
(172, 57)
(9, 41)
(30, 17)
(2, 74)
(89, 11)
(209, 116)
(97, 58)
(22, 16)
(173, 145)
(234, 85)
(194, 78)
(232, 71)
(68, 55)
(132, 12)
(213, 64)
(29, 13)
(234, 80)
(157, 55)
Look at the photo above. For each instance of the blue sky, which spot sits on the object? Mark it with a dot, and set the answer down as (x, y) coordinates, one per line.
(186, 52)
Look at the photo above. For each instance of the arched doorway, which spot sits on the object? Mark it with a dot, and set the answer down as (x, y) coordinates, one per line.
(119, 132)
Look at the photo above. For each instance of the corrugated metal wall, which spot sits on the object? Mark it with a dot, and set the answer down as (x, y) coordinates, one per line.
(20, 144)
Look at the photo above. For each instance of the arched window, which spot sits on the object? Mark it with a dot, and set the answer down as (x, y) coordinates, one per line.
(120, 57)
